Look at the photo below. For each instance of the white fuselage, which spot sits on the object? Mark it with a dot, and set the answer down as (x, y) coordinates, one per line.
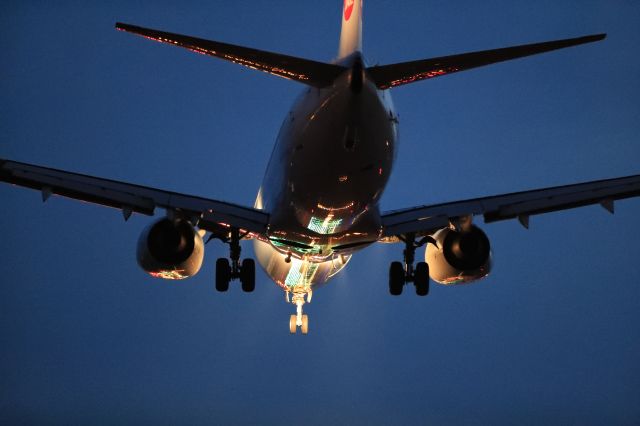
(330, 164)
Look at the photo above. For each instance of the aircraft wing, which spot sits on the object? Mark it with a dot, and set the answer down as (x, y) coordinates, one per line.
(209, 214)
(520, 205)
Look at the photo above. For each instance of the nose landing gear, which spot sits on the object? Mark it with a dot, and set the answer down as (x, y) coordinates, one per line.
(299, 319)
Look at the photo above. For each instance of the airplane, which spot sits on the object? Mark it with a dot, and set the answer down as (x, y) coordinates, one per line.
(318, 203)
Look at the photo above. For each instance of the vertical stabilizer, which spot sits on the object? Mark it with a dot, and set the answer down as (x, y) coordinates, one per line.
(351, 34)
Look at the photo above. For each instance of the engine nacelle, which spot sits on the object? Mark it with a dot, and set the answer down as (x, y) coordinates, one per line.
(460, 258)
(170, 249)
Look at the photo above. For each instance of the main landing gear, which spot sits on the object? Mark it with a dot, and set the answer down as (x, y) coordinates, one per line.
(401, 274)
(225, 271)
(299, 319)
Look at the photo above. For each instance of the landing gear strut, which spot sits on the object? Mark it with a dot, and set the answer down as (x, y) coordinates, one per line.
(402, 273)
(225, 271)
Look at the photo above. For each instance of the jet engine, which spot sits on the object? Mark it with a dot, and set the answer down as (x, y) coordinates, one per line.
(460, 257)
(170, 249)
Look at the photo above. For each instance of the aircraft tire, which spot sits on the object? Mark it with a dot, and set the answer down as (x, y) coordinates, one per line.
(223, 274)
(248, 275)
(396, 278)
(305, 324)
(292, 324)
(421, 279)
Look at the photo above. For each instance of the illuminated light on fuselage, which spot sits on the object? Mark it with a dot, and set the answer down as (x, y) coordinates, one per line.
(293, 277)
(309, 271)
(324, 226)
(301, 273)
(335, 209)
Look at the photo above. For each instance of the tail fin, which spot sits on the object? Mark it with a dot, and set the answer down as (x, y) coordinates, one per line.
(351, 34)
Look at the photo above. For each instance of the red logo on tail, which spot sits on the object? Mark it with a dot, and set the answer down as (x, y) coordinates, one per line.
(348, 9)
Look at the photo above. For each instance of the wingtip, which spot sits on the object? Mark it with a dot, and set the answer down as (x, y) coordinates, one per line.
(120, 26)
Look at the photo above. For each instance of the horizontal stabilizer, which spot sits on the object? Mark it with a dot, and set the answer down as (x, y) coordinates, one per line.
(312, 73)
(387, 76)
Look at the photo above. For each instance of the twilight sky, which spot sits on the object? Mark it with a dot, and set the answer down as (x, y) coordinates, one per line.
(551, 337)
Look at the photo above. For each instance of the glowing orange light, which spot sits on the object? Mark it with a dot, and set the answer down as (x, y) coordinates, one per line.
(169, 275)
(420, 76)
(333, 209)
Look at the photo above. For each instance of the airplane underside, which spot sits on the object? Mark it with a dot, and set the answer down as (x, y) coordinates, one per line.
(318, 202)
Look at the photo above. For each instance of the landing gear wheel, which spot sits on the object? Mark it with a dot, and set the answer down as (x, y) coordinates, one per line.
(292, 324)
(248, 275)
(421, 279)
(305, 324)
(223, 274)
(396, 278)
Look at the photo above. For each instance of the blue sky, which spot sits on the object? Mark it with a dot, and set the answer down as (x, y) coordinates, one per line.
(552, 336)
